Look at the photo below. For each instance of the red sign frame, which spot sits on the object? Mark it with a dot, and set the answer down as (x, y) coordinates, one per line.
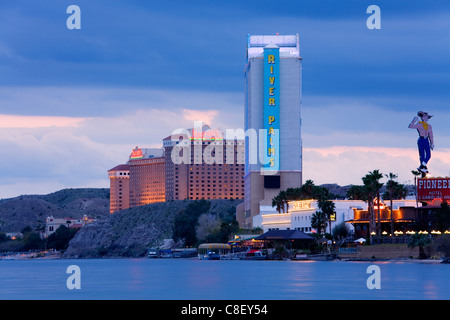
(429, 189)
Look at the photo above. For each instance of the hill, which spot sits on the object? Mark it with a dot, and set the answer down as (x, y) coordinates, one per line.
(130, 232)
(32, 210)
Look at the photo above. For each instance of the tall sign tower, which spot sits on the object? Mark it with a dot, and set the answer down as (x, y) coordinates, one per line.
(273, 80)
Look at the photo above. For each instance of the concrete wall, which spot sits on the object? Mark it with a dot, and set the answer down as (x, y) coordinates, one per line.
(387, 252)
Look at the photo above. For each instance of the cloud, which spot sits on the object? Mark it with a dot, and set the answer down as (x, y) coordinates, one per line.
(17, 121)
(45, 151)
(375, 122)
(347, 164)
(196, 115)
(343, 137)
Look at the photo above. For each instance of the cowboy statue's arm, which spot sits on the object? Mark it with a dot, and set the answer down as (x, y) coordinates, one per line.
(413, 124)
(430, 136)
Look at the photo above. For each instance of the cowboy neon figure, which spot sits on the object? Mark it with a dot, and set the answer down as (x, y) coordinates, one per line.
(425, 141)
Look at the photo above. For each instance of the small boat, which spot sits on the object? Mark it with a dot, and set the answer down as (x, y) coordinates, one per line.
(210, 256)
(213, 251)
(152, 253)
(166, 254)
(314, 257)
(255, 255)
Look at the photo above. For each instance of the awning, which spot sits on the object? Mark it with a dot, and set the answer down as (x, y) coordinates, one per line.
(214, 246)
(241, 240)
(284, 235)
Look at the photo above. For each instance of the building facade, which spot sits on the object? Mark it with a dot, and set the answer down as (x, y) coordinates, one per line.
(52, 224)
(201, 164)
(198, 163)
(147, 176)
(352, 212)
(272, 116)
(119, 182)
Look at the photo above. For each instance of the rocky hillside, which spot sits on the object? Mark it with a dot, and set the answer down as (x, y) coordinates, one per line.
(130, 232)
(32, 210)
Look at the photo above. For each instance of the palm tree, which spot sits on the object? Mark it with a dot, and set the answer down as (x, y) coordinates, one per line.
(357, 193)
(372, 188)
(328, 208)
(307, 189)
(293, 194)
(278, 202)
(318, 221)
(394, 191)
(284, 200)
(419, 240)
(416, 174)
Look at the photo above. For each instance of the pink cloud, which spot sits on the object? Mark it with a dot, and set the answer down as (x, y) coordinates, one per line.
(205, 116)
(18, 121)
(347, 164)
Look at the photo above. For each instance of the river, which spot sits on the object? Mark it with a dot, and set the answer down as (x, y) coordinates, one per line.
(192, 279)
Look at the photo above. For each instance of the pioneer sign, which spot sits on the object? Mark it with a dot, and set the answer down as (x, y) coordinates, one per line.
(429, 189)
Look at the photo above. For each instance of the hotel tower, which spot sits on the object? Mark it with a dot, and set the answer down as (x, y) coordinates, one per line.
(273, 146)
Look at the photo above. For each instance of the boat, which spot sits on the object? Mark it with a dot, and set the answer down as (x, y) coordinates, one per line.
(213, 251)
(210, 256)
(254, 254)
(165, 254)
(315, 257)
(152, 253)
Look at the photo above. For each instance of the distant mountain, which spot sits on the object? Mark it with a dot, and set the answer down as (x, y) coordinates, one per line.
(340, 191)
(32, 210)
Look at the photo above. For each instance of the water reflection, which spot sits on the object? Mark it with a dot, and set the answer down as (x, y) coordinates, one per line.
(194, 279)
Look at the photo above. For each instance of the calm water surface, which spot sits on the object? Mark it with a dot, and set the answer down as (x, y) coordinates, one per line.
(191, 279)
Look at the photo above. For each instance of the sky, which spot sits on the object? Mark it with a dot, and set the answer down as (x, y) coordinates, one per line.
(74, 103)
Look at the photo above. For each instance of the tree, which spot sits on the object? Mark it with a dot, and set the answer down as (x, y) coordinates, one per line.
(341, 231)
(207, 224)
(357, 193)
(319, 221)
(442, 217)
(3, 237)
(26, 230)
(372, 188)
(278, 202)
(284, 201)
(307, 189)
(416, 174)
(442, 243)
(59, 240)
(394, 191)
(419, 240)
(186, 221)
(328, 208)
(32, 241)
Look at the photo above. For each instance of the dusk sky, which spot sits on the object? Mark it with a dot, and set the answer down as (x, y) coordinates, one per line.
(74, 103)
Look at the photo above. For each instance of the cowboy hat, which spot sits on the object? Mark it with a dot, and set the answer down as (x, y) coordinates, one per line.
(422, 113)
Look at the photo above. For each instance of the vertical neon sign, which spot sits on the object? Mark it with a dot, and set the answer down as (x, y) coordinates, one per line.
(272, 108)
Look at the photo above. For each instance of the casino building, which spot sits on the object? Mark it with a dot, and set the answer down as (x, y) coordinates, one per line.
(119, 181)
(197, 163)
(147, 173)
(273, 115)
(211, 166)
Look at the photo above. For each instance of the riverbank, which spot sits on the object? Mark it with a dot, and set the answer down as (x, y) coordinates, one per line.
(31, 255)
(59, 256)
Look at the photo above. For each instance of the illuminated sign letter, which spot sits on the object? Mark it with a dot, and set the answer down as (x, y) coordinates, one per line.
(271, 109)
(271, 119)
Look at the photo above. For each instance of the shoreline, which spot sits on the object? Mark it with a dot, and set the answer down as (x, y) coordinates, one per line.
(58, 256)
